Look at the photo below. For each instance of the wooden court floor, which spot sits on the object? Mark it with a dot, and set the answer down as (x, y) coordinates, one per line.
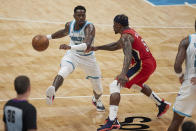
(161, 27)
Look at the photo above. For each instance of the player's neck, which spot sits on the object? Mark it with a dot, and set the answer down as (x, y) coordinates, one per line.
(78, 26)
(124, 28)
(22, 97)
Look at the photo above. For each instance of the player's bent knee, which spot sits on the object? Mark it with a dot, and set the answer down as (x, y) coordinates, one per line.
(98, 90)
(114, 88)
(65, 70)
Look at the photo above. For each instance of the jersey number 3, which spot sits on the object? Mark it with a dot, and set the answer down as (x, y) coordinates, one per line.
(11, 116)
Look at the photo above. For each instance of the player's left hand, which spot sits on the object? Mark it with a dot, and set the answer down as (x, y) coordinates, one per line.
(193, 80)
(65, 47)
(122, 79)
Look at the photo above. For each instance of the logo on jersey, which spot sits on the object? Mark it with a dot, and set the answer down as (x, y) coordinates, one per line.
(77, 38)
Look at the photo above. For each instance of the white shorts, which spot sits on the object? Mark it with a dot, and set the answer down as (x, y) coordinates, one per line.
(186, 100)
(87, 63)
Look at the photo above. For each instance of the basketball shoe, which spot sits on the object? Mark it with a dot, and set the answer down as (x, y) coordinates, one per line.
(110, 125)
(163, 108)
(50, 94)
(98, 104)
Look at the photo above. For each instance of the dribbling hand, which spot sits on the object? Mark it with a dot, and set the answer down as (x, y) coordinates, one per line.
(65, 47)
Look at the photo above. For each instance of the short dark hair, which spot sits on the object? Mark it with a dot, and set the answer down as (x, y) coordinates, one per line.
(79, 7)
(188, 126)
(121, 19)
(21, 84)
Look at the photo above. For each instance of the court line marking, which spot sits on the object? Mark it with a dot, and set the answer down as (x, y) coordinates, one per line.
(106, 25)
(75, 97)
(187, 4)
(149, 3)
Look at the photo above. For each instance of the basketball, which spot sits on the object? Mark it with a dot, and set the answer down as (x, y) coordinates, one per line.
(40, 42)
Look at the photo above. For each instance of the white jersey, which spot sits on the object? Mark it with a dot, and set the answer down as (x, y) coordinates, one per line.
(191, 58)
(77, 37)
(185, 102)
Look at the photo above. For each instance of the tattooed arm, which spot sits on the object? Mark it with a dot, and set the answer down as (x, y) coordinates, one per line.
(110, 47)
(61, 33)
(126, 41)
(180, 57)
(89, 35)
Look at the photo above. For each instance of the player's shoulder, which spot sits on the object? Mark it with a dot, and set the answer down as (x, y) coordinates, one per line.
(127, 36)
(8, 102)
(89, 24)
(184, 42)
(30, 107)
(68, 23)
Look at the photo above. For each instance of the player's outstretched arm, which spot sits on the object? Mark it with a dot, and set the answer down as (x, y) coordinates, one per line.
(109, 47)
(61, 33)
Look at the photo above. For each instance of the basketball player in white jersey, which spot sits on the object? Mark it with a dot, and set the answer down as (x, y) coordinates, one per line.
(81, 34)
(186, 100)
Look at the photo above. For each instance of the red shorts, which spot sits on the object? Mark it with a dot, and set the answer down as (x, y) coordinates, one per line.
(140, 72)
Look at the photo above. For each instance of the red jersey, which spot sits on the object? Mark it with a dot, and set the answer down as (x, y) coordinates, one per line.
(140, 50)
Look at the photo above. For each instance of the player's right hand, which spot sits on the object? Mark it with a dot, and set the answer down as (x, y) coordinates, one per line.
(65, 47)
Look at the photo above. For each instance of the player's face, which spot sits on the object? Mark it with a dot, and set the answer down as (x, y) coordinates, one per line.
(116, 28)
(80, 16)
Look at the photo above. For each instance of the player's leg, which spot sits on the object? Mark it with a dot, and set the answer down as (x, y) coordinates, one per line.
(140, 74)
(184, 105)
(111, 121)
(176, 122)
(162, 105)
(92, 70)
(97, 91)
(67, 66)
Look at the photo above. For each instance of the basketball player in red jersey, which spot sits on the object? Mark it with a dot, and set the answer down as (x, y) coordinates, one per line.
(138, 65)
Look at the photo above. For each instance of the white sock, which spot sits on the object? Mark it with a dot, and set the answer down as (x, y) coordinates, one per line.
(94, 99)
(155, 98)
(113, 112)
